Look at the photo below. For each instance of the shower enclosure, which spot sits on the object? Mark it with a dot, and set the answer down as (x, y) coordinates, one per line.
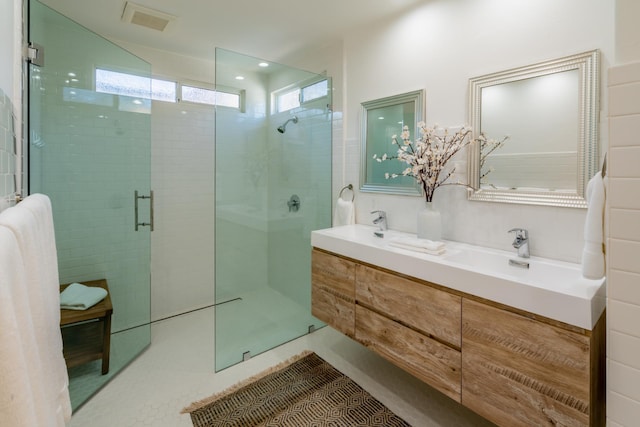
(89, 151)
(273, 187)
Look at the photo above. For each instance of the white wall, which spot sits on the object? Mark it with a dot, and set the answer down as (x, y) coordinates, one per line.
(7, 46)
(438, 46)
(10, 28)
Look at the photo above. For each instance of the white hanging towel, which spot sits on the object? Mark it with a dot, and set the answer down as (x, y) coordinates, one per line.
(593, 261)
(31, 222)
(22, 398)
(345, 213)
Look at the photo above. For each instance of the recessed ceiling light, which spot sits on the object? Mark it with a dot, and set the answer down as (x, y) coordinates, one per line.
(263, 64)
(239, 78)
(71, 74)
(381, 118)
(137, 102)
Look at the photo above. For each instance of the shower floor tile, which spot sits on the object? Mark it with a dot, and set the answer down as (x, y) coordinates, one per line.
(178, 368)
(250, 323)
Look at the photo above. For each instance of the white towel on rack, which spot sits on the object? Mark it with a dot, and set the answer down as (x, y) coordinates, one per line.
(32, 224)
(21, 396)
(345, 213)
(593, 262)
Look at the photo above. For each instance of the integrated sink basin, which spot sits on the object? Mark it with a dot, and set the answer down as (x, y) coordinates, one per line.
(548, 288)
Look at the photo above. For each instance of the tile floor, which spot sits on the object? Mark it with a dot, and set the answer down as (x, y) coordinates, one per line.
(177, 369)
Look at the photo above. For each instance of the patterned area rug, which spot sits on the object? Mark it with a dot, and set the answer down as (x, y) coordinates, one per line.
(305, 391)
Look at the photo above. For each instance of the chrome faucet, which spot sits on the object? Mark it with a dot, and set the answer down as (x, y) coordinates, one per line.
(521, 242)
(381, 220)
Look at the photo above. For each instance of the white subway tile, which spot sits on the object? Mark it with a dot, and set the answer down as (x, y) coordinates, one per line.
(624, 193)
(624, 349)
(622, 410)
(623, 379)
(624, 74)
(624, 99)
(624, 224)
(622, 317)
(623, 255)
(623, 286)
(624, 131)
(623, 162)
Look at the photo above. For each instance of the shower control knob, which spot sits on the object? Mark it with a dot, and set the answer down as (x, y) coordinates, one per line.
(294, 203)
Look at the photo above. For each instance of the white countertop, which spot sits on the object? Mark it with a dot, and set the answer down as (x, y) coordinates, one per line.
(549, 288)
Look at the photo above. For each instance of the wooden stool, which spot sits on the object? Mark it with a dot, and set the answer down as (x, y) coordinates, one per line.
(86, 334)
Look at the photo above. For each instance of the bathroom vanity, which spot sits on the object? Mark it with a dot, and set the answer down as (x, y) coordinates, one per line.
(514, 350)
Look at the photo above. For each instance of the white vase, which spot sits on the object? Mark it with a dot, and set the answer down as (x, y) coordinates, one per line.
(429, 223)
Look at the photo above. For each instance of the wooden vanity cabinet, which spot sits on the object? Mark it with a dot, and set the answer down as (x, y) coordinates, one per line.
(512, 367)
(428, 310)
(333, 291)
(413, 325)
(517, 371)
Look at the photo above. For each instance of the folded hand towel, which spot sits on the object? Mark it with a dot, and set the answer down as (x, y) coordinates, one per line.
(77, 296)
(419, 245)
(417, 249)
(345, 213)
(593, 266)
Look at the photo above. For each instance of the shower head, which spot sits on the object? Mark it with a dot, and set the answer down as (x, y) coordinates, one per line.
(283, 128)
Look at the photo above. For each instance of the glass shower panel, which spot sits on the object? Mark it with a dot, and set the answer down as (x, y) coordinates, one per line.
(89, 151)
(272, 189)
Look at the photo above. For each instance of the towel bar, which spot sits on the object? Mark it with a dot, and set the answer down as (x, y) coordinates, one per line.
(348, 187)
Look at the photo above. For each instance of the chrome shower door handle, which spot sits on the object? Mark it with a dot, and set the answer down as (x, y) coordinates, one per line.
(136, 197)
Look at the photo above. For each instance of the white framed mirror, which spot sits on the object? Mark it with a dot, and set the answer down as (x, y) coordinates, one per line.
(550, 113)
(381, 119)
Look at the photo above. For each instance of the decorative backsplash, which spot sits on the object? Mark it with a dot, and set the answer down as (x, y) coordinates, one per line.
(7, 152)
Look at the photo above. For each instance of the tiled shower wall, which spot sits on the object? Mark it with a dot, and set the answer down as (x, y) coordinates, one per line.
(7, 152)
(182, 180)
(623, 278)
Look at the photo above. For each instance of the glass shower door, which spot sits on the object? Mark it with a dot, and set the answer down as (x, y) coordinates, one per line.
(273, 187)
(89, 151)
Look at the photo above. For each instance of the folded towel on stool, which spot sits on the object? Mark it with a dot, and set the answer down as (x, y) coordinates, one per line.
(77, 296)
(419, 245)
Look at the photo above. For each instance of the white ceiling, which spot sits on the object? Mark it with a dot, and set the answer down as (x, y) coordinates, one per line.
(270, 29)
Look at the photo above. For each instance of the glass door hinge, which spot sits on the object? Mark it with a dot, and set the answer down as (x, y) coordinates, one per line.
(35, 54)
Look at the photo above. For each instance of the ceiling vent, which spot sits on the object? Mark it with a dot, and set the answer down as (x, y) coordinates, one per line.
(140, 15)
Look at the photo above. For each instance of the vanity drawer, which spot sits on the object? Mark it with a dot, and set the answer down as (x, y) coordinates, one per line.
(521, 372)
(337, 312)
(334, 274)
(333, 291)
(419, 306)
(434, 363)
